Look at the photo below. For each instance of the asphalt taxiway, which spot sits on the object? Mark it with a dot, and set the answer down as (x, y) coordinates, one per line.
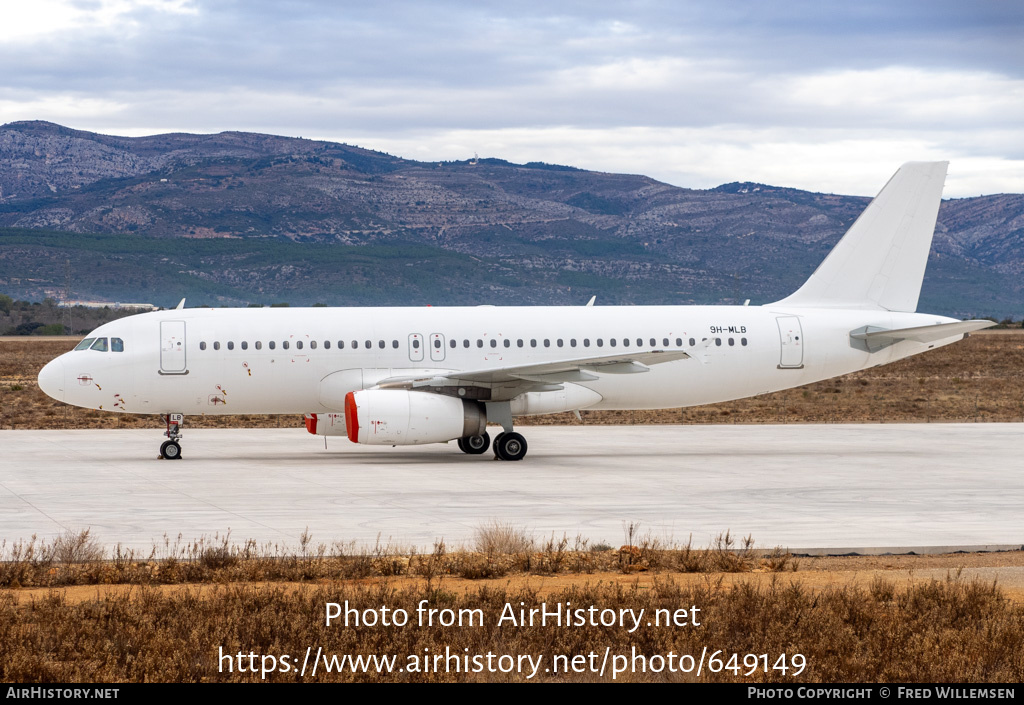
(834, 487)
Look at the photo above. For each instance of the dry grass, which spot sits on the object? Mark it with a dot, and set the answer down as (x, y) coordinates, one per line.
(500, 550)
(978, 379)
(69, 614)
(949, 630)
(496, 537)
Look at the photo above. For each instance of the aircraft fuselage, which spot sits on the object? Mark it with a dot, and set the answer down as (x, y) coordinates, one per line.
(276, 360)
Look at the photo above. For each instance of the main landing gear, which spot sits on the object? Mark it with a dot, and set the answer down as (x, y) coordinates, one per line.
(171, 448)
(509, 446)
(475, 445)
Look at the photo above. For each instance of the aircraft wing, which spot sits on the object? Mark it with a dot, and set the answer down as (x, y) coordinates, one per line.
(579, 369)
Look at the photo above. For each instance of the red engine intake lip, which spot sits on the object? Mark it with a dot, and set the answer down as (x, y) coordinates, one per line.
(351, 420)
(311, 423)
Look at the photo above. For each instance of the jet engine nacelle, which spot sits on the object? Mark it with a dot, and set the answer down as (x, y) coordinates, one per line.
(326, 424)
(400, 417)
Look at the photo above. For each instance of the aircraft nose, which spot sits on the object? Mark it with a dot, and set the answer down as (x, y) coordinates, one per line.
(51, 379)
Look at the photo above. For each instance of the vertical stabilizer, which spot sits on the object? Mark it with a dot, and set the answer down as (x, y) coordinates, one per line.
(880, 261)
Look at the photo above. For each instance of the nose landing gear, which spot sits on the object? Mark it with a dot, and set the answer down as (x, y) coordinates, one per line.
(171, 448)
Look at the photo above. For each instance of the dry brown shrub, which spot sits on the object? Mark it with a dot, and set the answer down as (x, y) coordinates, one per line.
(501, 537)
(847, 634)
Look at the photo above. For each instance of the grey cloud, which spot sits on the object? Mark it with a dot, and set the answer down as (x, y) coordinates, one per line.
(400, 68)
(475, 45)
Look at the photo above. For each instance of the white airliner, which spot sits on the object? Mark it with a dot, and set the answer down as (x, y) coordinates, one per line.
(407, 376)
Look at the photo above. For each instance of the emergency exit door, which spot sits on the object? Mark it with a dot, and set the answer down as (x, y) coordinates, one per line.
(436, 347)
(415, 347)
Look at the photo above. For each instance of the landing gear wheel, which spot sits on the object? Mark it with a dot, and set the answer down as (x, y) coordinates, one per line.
(475, 445)
(510, 446)
(170, 450)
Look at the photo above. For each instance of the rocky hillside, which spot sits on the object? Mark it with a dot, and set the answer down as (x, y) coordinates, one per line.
(564, 231)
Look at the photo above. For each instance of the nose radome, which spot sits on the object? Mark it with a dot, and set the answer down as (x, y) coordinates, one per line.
(51, 379)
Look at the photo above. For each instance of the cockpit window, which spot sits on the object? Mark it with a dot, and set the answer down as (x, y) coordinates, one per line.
(100, 345)
(84, 345)
(116, 345)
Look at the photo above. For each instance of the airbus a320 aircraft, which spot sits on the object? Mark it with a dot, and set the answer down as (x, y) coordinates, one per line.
(407, 376)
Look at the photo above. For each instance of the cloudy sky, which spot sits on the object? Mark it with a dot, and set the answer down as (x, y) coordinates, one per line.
(829, 96)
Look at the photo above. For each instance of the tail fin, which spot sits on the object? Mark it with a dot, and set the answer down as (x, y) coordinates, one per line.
(880, 262)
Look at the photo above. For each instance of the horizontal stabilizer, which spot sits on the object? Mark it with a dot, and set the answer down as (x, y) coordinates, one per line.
(875, 339)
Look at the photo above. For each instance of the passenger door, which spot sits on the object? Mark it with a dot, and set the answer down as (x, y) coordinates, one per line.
(791, 342)
(172, 348)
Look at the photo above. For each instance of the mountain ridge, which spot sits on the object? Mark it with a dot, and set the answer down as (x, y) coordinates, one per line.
(551, 223)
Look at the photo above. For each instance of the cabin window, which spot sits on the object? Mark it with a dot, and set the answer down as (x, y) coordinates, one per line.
(679, 342)
(312, 344)
(586, 342)
(654, 343)
(202, 345)
(692, 342)
(625, 342)
(718, 341)
(664, 342)
(259, 345)
(508, 343)
(327, 345)
(394, 344)
(369, 344)
(465, 342)
(415, 344)
(639, 342)
(99, 345)
(533, 342)
(116, 345)
(479, 343)
(271, 344)
(558, 342)
(85, 344)
(341, 345)
(381, 344)
(285, 345)
(437, 343)
(519, 343)
(452, 343)
(355, 344)
(732, 341)
(612, 342)
(547, 343)
(494, 343)
(743, 341)
(231, 345)
(572, 342)
(216, 345)
(298, 345)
